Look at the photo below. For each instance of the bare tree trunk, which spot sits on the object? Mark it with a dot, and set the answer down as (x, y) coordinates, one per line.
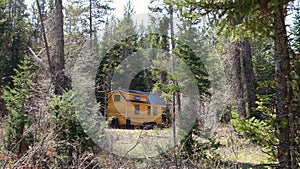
(292, 112)
(233, 69)
(173, 67)
(234, 73)
(59, 31)
(90, 19)
(282, 73)
(174, 83)
(45, 41)
(249, 77)
(61, 82)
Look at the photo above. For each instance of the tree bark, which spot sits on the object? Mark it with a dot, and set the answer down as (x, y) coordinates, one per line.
(238, 83)
(240, 53)
(234, 75)
(90, 19)
(249, 77)
(59, 48)
(174, 94)
(62, 82)
(45, 41)
(282, 73)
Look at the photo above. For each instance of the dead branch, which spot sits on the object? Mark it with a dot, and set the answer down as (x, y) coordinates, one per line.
(36, 57)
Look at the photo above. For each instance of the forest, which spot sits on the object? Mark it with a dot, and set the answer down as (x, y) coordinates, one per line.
(228, 71)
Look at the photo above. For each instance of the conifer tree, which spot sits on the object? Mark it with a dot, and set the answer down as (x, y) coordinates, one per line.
(257, 18)
(17, 102)
(295, 110)
(295, 42)
(119, 42)
(13, 39)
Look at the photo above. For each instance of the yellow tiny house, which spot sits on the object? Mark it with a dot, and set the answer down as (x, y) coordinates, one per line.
(132, 107)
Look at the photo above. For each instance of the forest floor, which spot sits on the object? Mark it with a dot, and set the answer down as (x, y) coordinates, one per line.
(233, 152)
(146, 143)
(139, 143)
(236, 150)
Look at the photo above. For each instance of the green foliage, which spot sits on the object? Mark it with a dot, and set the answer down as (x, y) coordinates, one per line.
(13, 41)
(295, 77)
(196, 66)
(260, 131)
(119, 42)
(13, 38)
(70, 138)
(295, 41)
(264, 71)
(263, 60)
(78, 16)
(77, 128)
(235, 19)
(197, 150)
(17, 101)
(67, 126)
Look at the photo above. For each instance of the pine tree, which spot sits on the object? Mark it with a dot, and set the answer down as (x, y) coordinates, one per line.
(295, 42)
(17, 102)
(13, 39)
(119, 42)
(257, 19)
(295, 74)
(86, 17)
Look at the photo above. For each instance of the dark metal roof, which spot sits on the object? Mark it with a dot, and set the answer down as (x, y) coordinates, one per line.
(155, 99)
(152, 98)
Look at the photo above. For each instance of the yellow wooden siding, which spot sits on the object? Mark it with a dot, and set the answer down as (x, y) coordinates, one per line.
(116, 109)
(143, 115)
(143, 98)
(113, 93)
(123, 109)
(131, 96)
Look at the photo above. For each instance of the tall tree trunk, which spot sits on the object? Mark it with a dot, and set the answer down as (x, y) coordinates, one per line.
(282, 73)
(61, 81)
(90, 19)
(177, 99)
(238, 83)
(59, 31)
(234, 74)
(173, 69)
(175, 94)
(237, 52)
(249, 77)
(45, 41)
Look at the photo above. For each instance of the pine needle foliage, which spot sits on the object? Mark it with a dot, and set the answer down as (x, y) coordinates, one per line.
(17, 103)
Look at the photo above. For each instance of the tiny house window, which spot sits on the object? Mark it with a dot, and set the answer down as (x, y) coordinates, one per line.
(138, 98)
(137, 109)
(155, 111)
(117, 98)
(149, 110)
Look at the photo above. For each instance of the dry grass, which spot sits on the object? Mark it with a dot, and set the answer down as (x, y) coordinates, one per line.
(236, 149)
(234, 152)
(139, 143)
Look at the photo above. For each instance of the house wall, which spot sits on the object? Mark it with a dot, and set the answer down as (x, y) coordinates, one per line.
(123, 109)
(143, 116)
(118, 108)
(143, 98)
